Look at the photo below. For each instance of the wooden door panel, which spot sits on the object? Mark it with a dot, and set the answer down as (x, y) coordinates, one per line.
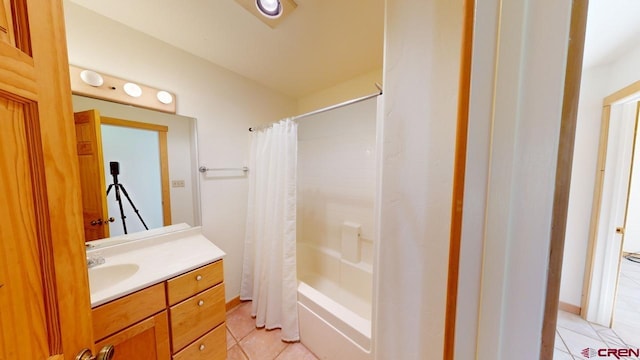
(92, 178)
(21, 294)
(6, 23)
(44, 300)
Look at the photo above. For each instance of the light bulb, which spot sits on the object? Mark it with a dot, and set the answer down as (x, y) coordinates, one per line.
(269, 8)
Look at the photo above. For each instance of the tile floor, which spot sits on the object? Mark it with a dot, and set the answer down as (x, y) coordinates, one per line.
(626, 316)
(573, 334)
(245, 342)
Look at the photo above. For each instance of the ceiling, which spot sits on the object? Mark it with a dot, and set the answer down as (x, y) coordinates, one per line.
(323, 42)
(320, 44)
(613, 28)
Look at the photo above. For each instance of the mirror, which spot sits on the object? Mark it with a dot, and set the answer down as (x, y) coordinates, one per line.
(141, 180)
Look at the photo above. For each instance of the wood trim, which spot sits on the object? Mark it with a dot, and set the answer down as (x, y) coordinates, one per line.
(572, 309)
(19, 75)
(21, 20)
(563, 173)
(622, 93)
(464, 94)
(7, 31)
(164, 178)
(133, 124)
(44, 236)
(233, 303)
(597, 202)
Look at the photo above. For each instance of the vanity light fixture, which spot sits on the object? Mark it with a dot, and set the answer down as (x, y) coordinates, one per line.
(164, 97)
(132, 89)
(91, 78)
(269, 8)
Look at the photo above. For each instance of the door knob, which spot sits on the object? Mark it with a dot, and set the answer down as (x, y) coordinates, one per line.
(100, 221)
(106, 353)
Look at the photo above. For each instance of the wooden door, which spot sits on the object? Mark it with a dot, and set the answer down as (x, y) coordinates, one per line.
(92, 180)
(44, 295)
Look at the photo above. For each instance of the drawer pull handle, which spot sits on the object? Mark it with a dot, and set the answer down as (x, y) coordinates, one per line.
(201, 302)
(199, 277)
(201, 347)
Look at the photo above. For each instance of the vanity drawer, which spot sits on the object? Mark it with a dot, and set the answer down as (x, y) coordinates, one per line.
(119, 314)
(212, 346)
(193, 282)
(194, 317)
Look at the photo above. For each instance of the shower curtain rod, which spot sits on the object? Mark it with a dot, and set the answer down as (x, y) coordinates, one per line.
(336, 106)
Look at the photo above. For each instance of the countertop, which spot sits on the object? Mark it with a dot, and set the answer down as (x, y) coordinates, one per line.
(158, 258)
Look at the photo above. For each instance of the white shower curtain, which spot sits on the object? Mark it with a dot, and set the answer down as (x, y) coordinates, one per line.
(269, 268)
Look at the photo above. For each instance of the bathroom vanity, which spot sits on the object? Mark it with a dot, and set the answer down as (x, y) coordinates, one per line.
(160, 297)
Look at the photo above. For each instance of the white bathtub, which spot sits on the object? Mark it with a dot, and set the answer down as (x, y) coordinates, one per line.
(334, 305)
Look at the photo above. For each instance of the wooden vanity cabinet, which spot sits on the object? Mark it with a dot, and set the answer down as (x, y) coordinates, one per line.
(197, 314)
(180, 319)
(148, 339)
(136, 325)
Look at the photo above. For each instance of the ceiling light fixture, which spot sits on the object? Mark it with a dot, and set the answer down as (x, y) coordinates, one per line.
(164, 97)
(269, 8)
(132, 89)
(91, 78)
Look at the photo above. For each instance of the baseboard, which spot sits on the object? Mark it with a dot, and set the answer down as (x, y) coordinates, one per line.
(573, 309)
(233, 303)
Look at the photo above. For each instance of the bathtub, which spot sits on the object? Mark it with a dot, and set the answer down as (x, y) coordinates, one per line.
(334, 304)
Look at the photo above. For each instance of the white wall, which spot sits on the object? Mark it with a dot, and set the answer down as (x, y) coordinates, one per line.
(356, 87)
(422, 56)
(597, 83)
(224, 103)
(137, 153)
(583, 173)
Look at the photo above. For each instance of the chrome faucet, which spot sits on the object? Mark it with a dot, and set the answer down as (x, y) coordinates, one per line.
(94, 260)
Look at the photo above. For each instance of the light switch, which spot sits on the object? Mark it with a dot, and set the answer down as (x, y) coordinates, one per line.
(177, 183)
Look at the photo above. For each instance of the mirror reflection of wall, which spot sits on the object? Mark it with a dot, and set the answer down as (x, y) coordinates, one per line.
(136, 152)
(182, 163)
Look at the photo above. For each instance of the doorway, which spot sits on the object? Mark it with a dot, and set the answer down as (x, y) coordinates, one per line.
(616, 203)
(611, 286)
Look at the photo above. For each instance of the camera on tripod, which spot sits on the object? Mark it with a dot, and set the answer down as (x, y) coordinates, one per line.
(114, 167)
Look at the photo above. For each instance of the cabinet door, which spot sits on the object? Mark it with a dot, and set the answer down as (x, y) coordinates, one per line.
(146, 340)
(45, 310)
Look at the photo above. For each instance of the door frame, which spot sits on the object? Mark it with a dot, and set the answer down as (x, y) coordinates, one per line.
(564, 165)
(616, 98)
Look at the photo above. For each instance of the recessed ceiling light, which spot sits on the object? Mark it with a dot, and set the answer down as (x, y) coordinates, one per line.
(269, 8)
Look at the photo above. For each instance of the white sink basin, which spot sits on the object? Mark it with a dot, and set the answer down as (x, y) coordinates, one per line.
(103, 277)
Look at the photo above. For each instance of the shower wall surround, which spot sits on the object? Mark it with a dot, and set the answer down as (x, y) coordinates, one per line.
(336, 180)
